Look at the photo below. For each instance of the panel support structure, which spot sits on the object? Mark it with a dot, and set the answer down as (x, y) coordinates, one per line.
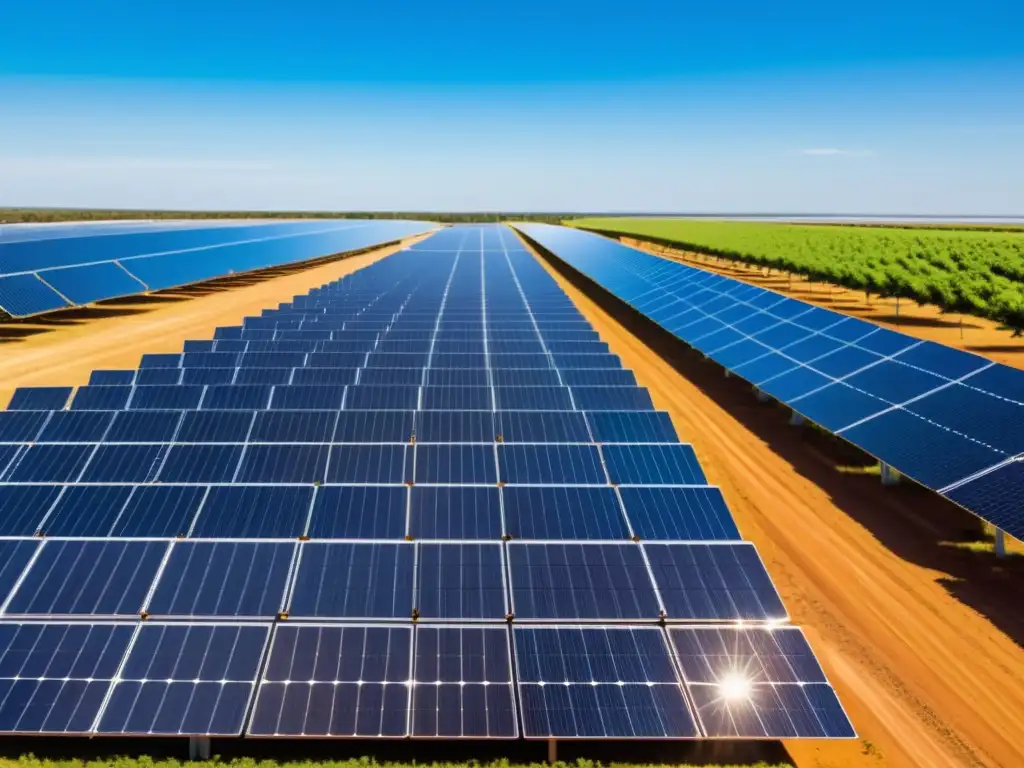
(1000, 543)
(762, 396)
(199, 748)
(796, 419)
(552, 751)
(727, 374)
(889, 475)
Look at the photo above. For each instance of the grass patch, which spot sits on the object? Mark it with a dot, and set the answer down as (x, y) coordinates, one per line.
(873, 470)
(30, 761)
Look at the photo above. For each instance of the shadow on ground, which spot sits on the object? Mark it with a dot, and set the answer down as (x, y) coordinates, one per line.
(911, 521)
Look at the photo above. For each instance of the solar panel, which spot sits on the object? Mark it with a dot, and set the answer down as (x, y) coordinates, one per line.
(186, 679)
(653, 465)
(223, 579)
(94, 578)
(758, 683)
(542, 427)
(54, 677)
(359, 512)
(39, 398)
(708, 582)
(23, 507)
(323, 680)
(48, 463)
(455, 464)
(450, 512)
(331, 519)
(935, 414)
(86, 510)
(582, 581)
(21, 426)
(599, 682)
(632, 427)
(462, 683)
(73, 427)
(681, 514)
(550, 464)
(460, 582)
(354, 581)
(537, 512)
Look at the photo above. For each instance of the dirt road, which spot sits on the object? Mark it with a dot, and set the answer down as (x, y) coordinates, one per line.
(922, 641)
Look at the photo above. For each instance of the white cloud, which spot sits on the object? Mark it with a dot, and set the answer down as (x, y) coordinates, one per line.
(833, 151)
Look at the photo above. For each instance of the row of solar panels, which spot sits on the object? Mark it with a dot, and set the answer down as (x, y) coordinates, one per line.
(317, 426)
(951, 420)
(381, 681)
(43, 275)
(316, 375)
(474, 464)
(372, 580)
(321, 683)
(324, 396)
(649, 513)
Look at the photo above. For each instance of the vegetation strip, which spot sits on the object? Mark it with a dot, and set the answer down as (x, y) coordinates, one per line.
(974, 273)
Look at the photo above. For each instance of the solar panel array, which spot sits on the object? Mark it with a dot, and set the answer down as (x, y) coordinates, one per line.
(951, 420)
(424, 500)
(48, 268)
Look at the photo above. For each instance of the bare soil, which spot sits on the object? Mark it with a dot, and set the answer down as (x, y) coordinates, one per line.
(973, 334)
(923, 641)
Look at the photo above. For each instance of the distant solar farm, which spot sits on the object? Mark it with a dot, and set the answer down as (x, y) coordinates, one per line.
(427, 499)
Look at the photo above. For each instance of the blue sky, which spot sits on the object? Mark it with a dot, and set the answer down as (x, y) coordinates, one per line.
(901, 106)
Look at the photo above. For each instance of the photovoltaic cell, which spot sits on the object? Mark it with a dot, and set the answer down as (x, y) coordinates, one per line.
(681, 514)
(455, 464)
(253, 512)
(460, 582)
(632, 427)
(182, 679)
(354, 581)
(54, 677)
(159, 510)
(223, 579)
(335, 681)
(445, 512)
(563, 513)
(462, 683)
(708, 582)
(653, 465)
(96, 578)
(23, 507)
(359, 512)
(87, 510)
(580, 582)
(599, 682)
(566, 464)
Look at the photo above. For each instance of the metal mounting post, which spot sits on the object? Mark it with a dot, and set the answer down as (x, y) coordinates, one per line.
(889, 475)
(796, 419)
(762, 396)
(552, 751)
(199, 748)
(1000, 543)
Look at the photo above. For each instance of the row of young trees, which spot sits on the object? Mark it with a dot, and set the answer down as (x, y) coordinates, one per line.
(969, 272)
(47, 215)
